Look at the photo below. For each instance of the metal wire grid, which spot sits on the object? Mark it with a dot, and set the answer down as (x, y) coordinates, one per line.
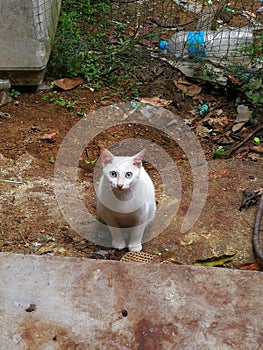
(153, 21)
(45, 15)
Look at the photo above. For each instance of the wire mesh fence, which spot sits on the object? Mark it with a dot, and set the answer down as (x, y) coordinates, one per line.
(136, 18)
(126, 42)
(220, 33)
(45, 18)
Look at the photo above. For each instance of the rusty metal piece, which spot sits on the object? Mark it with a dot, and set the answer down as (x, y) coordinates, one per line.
(166, 258)
(96, 304)
(138, 257)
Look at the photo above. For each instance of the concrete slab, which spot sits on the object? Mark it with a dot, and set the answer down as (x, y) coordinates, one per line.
(69, 303)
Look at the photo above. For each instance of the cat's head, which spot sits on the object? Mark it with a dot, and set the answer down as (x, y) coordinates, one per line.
(121, 172)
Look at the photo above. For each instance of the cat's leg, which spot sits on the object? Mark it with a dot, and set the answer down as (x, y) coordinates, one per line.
(118, 241)
(135, 238)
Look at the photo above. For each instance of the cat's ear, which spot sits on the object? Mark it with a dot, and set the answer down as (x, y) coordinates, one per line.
(106, 156)
(137, 159)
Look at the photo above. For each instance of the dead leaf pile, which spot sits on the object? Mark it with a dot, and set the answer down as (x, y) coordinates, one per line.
(217, 123)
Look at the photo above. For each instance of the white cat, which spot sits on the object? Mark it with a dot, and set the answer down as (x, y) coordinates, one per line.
(125, 199)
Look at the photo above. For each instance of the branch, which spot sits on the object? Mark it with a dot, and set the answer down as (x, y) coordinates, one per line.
(232, 150)
(255, 238)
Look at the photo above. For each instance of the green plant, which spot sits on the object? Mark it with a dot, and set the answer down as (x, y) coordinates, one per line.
(75, 49)
(91, 161)
(253, 91)
(50, 97)
(81, 114)
(63, 103)
(88, 44)
(59, 101)
(14, 93)
(220, 152)
(254, 49)
(208, 3)
(252, 80)
(52, 160)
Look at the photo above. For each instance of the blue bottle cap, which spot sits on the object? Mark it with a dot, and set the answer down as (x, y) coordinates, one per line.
(163, 45)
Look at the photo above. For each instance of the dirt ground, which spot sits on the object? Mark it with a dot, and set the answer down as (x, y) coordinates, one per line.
(30, 219)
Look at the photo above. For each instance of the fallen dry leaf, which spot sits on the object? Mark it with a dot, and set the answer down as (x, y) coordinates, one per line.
(191, 90)
(255, 266)
(258, 149)
(202, 131)
(215, 261)
(254, 156)
(155, 101)
(217, 123)
(167, 257)
(50, 137)
(236, 127)
(233, 79)
(244, 113)
(224, 172)
(250, 14)
(181, 87)
(198, 97)
(4, 98)
(49, 249)
(194, 90)
(67, 83)
(184, 82)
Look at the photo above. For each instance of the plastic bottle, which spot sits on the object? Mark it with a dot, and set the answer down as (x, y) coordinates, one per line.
(5, 84)
(219, 43)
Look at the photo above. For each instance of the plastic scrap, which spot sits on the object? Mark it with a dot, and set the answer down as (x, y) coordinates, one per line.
(203, 109)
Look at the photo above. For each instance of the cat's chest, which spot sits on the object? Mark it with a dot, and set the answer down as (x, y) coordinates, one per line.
(122, 205)
(125, 220)
(128, 220)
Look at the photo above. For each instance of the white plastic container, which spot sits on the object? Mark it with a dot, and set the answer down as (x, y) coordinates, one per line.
(5, 84)
(27, 30)
(220, 43)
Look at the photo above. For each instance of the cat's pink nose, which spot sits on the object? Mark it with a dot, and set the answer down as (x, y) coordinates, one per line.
(119, 186)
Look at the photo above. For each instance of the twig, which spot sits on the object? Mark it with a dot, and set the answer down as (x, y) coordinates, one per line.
(180, 27)
(12, 181)
(23, 238)
(232, 150)
(255, 238)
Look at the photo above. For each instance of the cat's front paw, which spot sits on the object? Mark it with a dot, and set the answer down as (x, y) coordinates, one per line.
(118, 245)
(135, 248)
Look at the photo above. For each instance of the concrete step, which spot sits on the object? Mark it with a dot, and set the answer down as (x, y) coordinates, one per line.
(74, 303)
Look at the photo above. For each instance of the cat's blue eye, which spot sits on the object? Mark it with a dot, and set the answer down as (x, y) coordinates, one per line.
(113, 174)
(128, 175)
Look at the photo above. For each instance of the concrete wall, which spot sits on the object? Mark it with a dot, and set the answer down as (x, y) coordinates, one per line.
(27, 30)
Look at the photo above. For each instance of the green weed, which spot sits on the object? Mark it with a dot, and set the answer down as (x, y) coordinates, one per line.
(83, 48)
(14, 93)
(59, 100)
(253, 79)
